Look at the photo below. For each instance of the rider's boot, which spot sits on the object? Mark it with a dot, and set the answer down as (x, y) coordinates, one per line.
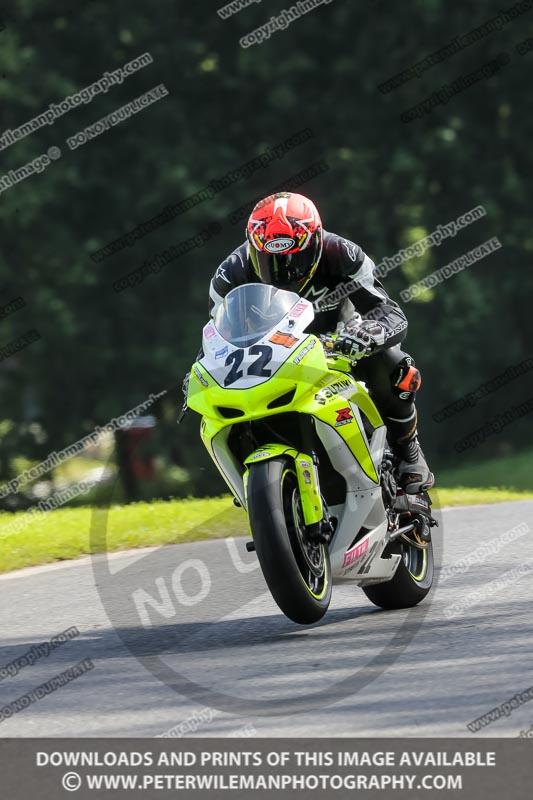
(414, 475)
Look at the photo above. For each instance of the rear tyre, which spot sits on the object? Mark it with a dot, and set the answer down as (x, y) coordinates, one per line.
(411, 582)
(297, 571)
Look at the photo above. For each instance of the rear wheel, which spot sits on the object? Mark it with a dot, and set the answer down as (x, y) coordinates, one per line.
(297, 570)
(412, 580)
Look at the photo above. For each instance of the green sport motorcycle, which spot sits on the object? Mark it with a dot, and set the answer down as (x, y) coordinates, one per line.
(304, 452)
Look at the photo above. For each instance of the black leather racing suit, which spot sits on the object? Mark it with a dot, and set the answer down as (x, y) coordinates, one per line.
(344, 283)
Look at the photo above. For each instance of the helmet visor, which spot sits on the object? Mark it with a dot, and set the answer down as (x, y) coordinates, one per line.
(283, 269)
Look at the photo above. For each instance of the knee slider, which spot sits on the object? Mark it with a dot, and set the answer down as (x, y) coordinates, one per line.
(406, 379)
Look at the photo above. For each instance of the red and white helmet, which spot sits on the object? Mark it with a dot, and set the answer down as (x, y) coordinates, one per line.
(284, 233)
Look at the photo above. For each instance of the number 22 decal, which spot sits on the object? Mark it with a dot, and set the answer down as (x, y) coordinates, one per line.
(257, 367)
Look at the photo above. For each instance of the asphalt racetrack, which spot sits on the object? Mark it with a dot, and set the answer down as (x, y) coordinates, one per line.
(186, 637)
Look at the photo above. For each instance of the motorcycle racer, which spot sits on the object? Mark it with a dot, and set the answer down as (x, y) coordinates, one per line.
(287, 247)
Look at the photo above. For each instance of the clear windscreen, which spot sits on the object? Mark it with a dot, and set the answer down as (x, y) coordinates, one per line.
(248, 312)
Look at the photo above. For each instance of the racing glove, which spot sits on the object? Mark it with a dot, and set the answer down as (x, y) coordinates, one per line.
(360, 338)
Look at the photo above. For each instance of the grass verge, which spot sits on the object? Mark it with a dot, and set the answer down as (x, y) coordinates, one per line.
(66, 533)
(512, 472)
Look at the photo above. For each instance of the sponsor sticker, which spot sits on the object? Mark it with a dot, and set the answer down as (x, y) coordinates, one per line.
(262, 454)
(286, 339)
(355, 553)
(221, 353)
(209, 331)
(200, 377)
(302, 354)
(344, 416)
(332, 391)
(280, 245)
(298, 310)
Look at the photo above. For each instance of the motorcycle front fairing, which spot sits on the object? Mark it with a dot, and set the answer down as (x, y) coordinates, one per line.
(258, 363)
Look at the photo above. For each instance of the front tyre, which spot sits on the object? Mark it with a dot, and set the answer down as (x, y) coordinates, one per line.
(411, 581)
(297, 571)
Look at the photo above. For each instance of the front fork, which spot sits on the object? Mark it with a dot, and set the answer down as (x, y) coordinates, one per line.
(315, 514)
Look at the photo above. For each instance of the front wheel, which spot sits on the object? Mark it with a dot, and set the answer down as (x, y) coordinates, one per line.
(297, 570)
(411, 581)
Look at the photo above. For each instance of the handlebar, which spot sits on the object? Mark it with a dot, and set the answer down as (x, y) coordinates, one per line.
(328, 341)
